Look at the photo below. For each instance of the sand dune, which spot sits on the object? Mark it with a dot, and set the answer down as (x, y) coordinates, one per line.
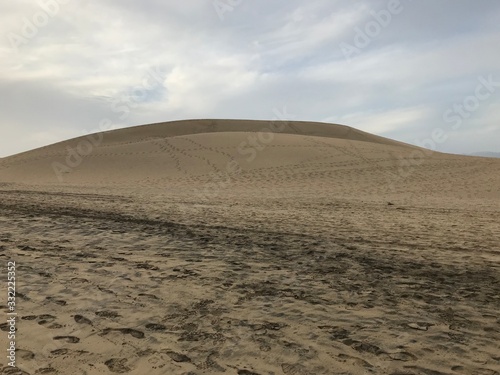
(183, 148)
(217, 247)
(221, 155)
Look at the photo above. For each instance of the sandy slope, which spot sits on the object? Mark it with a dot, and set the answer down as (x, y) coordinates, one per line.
(220, 155)
(204, 247)
(180, 149)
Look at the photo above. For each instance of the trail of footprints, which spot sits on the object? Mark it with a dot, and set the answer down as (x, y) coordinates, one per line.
(187, 326)
(200, 331)
(174, 151)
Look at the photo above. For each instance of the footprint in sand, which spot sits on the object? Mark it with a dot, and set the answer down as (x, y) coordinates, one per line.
(82, 320)
(68, 339)
(152, 296)
(294, 369)
(5, 327)
(24, 354)
(78, 280)
(59, 302)
(402, 356)
(177, 357)
(13, 371)
(117, 365)
(355, 360)
(46, 318)
(46, 370)
(363, 347)
(107, 314)
(156, 327)
(29, 317)
(147, 266)
(59, 352)
(133, 332)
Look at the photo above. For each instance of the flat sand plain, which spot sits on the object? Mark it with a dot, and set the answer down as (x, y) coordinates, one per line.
(175, 249)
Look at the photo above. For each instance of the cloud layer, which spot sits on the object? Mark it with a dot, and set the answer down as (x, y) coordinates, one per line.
(393, 68)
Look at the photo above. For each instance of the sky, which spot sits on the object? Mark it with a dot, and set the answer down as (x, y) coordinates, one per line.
(423, 72)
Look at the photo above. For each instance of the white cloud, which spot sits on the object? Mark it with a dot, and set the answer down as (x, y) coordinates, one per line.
(262, 55)
(382, 122)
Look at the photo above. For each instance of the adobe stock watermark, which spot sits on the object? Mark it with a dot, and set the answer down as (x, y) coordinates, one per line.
(461, 111)
(31, 26)
(372, 29)
(152, 80)
(11, 314)
(224, 6)
(122, 107)
(456, 114)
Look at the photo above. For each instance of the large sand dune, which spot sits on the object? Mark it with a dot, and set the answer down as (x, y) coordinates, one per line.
(187, 148)
(251, 247)
(219, 155)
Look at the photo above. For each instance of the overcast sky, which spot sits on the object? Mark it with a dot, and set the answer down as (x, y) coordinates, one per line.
(408, 70)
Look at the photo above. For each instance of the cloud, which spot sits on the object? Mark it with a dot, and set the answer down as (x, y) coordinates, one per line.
(383, 122)
(92, 59)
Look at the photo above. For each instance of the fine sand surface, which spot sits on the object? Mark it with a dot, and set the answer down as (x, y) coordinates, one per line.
(219, 247)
